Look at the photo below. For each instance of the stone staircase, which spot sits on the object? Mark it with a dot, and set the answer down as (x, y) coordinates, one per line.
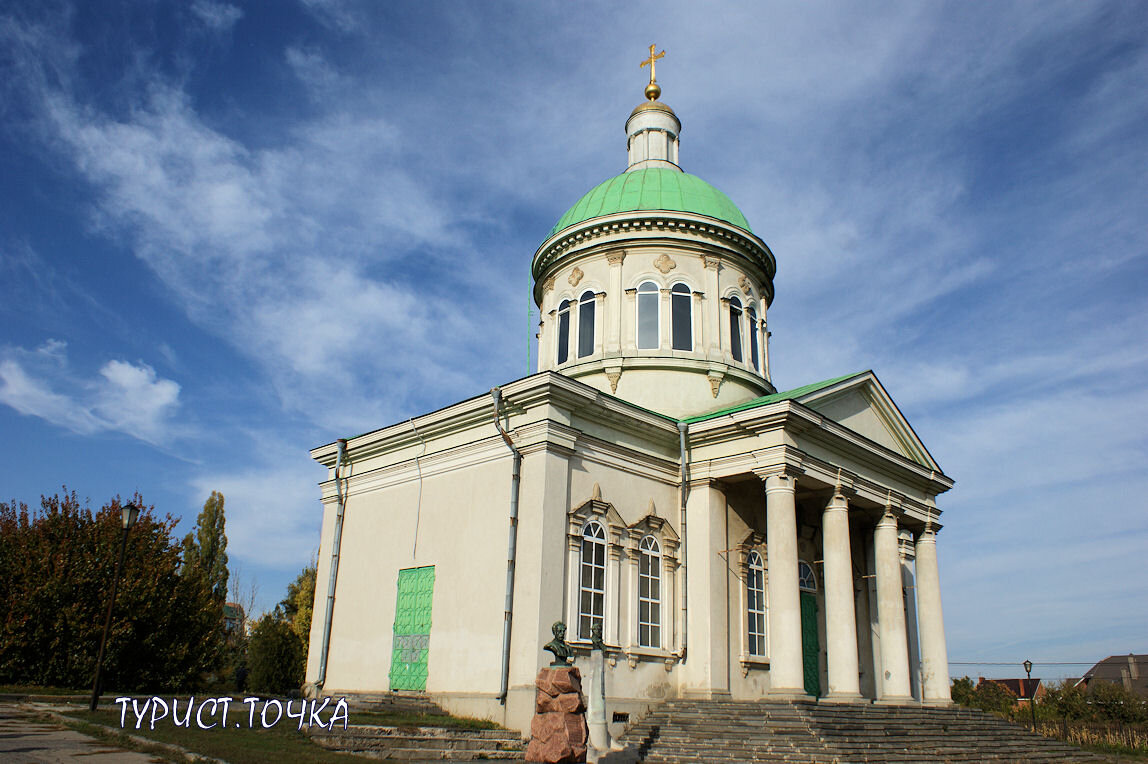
(808, 732)
(423, 744)
(416, 744)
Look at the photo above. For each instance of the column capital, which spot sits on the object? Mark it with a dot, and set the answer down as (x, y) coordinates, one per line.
(838, 502)
(616, 257)
(785, 471)
(709, 262)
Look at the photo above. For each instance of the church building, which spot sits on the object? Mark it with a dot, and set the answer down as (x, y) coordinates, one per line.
(730, 539)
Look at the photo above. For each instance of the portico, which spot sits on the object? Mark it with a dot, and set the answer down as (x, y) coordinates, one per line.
(812, 495)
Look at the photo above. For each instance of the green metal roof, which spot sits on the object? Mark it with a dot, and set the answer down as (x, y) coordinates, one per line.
(653, 189)
(788, 395)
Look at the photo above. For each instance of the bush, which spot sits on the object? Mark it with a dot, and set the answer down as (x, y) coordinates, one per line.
(275, 656)
(56, 568)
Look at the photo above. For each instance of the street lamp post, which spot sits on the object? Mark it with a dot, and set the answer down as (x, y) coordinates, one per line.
(1031, 692)
(130, 513)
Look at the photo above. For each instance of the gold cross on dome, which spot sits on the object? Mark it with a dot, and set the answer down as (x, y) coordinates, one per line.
(653, 57)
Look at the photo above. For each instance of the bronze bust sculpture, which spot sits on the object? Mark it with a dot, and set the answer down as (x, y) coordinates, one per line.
(562, 651)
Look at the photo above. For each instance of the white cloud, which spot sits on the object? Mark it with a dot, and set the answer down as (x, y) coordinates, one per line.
(220, 17)
(273, 512)
(124, 397)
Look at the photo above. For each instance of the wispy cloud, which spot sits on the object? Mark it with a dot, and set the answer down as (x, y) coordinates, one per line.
(220, 17)
(123, 397)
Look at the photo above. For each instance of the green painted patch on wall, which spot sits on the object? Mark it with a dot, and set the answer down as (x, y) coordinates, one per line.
(410, 647)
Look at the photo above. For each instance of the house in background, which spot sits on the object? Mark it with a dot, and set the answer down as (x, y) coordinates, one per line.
(1024, 690)
(233, 617)
(1130, 671)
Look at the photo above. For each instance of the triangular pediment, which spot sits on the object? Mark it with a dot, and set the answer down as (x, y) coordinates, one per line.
(862, 404)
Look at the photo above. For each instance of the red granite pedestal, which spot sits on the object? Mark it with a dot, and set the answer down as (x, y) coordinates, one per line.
(558, 731)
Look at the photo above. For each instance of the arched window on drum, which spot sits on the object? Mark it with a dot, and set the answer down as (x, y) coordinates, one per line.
(735, 328)
(564, 332)
(586, 324)
(648, 329)
(681, 317)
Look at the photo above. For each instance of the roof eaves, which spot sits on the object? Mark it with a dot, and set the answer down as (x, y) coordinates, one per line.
(765, 400)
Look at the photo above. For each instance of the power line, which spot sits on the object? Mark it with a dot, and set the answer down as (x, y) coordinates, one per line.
(1018, 663)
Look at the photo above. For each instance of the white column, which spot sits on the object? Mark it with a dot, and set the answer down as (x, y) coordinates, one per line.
(706, 670)
(712, 315)
(664, 319)
(891, 613)
(909, 586)
(786, 676)
(614, 303)
(840, 616)
(934, 653)
(696, 314)
(765, 345)
(629, 326)
(614, 611)
(599, 323)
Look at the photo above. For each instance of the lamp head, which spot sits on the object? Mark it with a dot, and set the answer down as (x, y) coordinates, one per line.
(131, 514)
(1028, 667)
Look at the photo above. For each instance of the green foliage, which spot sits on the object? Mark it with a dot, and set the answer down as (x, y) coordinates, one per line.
(1112, 702)
(1063, 701)
(962, 691)
(275, 656)
(56, 568)
(205, 551)
(990, 696)
(297, 606)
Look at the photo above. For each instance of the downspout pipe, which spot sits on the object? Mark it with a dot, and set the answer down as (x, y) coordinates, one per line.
(683, 494)
(330, 611)
(512, 544)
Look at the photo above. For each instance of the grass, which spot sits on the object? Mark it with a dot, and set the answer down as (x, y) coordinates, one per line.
(281, 744)
(26, 689)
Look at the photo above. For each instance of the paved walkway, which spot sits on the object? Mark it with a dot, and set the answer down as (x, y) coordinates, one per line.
(27, 740)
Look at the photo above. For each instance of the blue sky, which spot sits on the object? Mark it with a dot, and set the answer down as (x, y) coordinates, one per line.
(230, 232)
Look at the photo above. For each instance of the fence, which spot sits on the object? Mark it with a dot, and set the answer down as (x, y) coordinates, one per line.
(1132, 736)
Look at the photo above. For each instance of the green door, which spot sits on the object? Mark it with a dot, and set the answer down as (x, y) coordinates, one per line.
(412, 629)
(810, 646)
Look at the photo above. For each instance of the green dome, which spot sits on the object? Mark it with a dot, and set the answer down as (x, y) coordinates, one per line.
(655, 188)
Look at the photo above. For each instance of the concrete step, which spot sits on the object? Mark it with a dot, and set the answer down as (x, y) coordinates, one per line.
(682, 730)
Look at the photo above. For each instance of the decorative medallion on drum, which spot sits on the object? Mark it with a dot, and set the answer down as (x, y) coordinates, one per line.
(575, 276)
(664, 263)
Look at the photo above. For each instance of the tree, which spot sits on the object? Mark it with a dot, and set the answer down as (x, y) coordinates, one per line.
(275, 655)
(962, 691)
(299, 603)
(1064, 701)
(55, 567)
(206, 548)
(1113, 702)
(991, 696)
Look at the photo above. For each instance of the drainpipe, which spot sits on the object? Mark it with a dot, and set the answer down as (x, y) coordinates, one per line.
(512, 544)
(683, 493)
(342, 502)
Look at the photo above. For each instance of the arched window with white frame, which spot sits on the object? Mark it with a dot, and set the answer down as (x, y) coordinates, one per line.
(751, 320)
(592, 582)
(586, 324)
(649, 593)
(806, 580)
(648, 329)
(681, 317)
(755, 604)
(564, 332)
(735, 328)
